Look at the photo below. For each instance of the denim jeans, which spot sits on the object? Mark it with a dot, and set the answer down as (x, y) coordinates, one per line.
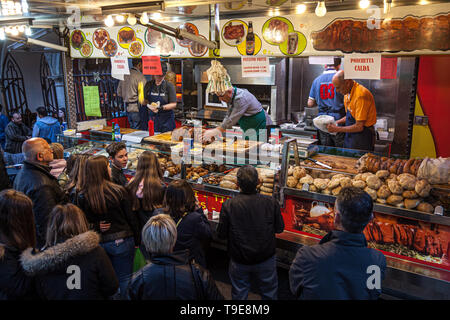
(265, 274)
(121, 252)
(134, 120)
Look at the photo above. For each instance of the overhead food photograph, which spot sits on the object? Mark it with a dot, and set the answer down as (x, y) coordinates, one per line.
(191, 28)
(77, 39)
(110, 48)
(126, 35)
(233, 32)
(100, 37)
(153, 37)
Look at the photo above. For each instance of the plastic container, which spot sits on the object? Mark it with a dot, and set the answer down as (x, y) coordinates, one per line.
(151, 128)
(117, 134)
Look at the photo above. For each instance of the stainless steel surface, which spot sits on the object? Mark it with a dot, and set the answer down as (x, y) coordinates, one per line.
(392, 96)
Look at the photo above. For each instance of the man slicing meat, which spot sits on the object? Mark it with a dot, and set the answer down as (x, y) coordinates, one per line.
(244, 109)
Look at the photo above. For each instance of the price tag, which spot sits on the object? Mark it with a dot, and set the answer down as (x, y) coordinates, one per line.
(274, 166)
(200, 180)
(166, 174)
(305, 187)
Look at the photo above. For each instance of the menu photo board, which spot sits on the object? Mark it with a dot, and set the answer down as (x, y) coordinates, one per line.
(137, 41)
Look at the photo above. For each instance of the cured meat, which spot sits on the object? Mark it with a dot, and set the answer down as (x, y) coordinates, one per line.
(387, 232)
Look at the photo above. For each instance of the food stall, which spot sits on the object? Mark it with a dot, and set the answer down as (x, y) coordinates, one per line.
(412, 214)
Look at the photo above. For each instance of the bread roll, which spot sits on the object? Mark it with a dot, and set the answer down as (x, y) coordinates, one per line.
(395, 187)
(423, 188)
(345, 182)
(291, 182)
(307, 179)
(291, 171)
(411, 203)
(299, 172)
(299, 186)
(265, 189)
(373, 182)
(313, 188)
(381, 201)
(321, 184)
(228, 184)
(326, 191)
(372, 193)
(358, 177)
(425, 207)
(335, 192)
(410, 194)
(383, 192)
(359, 184)
(333, 183)
(407, 181)
(268, 185)
(394, 199)
(365, 175)
(382, 174)
(266, 193)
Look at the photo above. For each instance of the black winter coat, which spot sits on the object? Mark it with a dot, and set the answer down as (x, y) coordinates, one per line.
(14, 283)
(249, 223)
(15, 136)
(43, 189)
(170, 277)
(336, 268)
(193, 233)
(52, 272)
(118, 177)
(124, 223)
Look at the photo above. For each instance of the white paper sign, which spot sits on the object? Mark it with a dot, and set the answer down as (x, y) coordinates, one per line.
(255, 67)
(321, 60)
(119, 67)
(362, 66)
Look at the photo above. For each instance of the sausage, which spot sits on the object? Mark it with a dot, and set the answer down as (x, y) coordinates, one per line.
(417, 164)
(372, 163)
(376, 167)
(407, 168)
(394, 166)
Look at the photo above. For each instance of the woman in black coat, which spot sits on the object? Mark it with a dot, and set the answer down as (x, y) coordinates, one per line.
(72, 266)
(17, 232)
(193, 229)
(169, 275)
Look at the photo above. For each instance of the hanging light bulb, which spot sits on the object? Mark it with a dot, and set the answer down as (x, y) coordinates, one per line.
(277, 11)
(156, 16)
(363, 4)
(21, 29)
(144, 18)
(424, 2)
(24, 6)
(8, 29)
(131, 19)
(300, 8)
(321, 10)
(387, 6)
(120, 18)
(15, 32)
(109, 21)
(2, 34)
(271, 12)
(28, 31)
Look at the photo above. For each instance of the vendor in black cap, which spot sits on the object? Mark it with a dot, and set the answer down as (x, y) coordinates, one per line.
(161, 100)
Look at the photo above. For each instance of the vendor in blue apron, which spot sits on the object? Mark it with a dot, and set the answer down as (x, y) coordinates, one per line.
(243, 109)
(361, 114)
(161, 92)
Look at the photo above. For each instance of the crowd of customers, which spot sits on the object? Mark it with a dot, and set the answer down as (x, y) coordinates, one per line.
(70, 230)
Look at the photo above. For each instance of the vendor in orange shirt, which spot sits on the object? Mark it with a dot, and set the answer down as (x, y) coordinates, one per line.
(361, 114)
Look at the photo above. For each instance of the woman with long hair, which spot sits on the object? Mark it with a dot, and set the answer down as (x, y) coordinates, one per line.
(108, 210)
(64, 177)
(69, 243)
(76, 176)
(17, 233)
(194, 231)
(146, 189)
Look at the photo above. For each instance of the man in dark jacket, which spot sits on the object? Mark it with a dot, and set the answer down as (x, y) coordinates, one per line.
(169, 275)
(341, 266)
(118, 156)
(16, 133)
(35, 180)
(249, 221)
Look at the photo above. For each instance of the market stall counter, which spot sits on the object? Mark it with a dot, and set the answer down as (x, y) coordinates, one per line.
(415, 243)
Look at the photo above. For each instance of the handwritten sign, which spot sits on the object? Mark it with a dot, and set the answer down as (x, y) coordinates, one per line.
(91, 101)
(151, 65)
(255, 67)
(362, 66)
(119, 67)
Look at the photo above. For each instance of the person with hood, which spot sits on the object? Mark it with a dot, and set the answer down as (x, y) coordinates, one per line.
(59, 163)
(17, 233)
(46, 127)
(169, 275)
(35, 180)
(70, 248)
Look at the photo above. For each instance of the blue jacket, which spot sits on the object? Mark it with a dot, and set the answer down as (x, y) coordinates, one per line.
(47, 128)
(336, 269)
(3, 123)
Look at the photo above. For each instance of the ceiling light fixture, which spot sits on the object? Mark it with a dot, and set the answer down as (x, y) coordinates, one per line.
(387, 6)
(109, 21)
(156, 15)
(300, 8)
(131, 19)
(424, 2)
(364, 4)
(120, 18)
(321, 10)
(144, 18)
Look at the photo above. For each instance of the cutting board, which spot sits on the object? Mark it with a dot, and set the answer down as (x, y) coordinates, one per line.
(162, 138)
(239, 146)
(122, 130)
(349, 163)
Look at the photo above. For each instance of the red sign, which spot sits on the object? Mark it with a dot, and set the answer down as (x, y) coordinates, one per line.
(151, 65)
(388, 68)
